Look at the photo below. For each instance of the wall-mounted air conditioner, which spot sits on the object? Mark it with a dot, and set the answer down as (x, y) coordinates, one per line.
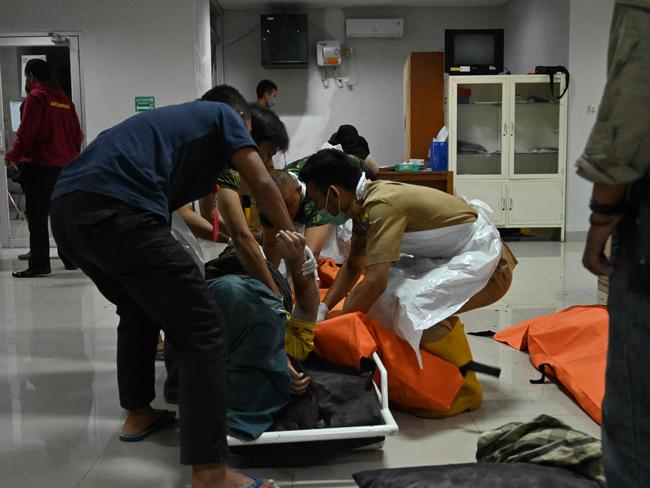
(381, 28)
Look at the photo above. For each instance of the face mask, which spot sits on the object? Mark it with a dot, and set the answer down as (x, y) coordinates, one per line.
(339, 219)
(271, 102)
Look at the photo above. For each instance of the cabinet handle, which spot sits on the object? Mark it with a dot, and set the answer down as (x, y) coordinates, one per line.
(512, 129)
(505, 129)
(503, 204)
(510, 205)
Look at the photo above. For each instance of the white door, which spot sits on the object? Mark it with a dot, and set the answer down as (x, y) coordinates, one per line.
(491, 192)
(62, 53)
(536, 203)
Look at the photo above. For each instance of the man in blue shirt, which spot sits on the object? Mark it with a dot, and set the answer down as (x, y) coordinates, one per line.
(110, 214)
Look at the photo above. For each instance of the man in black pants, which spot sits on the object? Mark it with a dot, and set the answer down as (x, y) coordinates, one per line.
(110, 212)
(48, 138)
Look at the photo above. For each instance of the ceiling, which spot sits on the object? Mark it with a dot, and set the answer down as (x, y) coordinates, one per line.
(297, 4)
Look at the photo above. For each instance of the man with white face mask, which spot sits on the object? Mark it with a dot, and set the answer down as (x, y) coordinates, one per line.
(427, 254)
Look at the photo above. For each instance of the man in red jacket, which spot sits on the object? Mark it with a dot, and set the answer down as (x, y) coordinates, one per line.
(48, 138)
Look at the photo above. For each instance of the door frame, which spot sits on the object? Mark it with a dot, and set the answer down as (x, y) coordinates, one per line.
(18, 39)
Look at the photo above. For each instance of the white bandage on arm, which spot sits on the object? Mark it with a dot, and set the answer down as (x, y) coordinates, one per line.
(309, 266)
(323, 310)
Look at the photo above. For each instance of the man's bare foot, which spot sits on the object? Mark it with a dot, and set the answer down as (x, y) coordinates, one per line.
(137, 421)
(217, 476)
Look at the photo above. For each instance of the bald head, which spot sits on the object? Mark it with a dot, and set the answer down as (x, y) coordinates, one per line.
(290, 190)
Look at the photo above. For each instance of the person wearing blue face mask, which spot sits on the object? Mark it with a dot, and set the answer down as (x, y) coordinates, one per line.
(267, 92)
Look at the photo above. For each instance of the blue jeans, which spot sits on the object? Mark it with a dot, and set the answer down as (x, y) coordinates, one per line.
(626, 408)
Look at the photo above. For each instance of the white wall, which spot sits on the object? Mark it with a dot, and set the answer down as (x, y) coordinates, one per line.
(537, 33)
(375, 104)
(148, 47)
(590, 22)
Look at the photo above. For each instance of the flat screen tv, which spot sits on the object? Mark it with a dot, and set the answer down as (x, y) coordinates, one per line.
(474, 51)
(285, 41)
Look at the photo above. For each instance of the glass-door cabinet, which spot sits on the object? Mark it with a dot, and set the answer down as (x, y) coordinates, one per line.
(507, 146)
(535, 127)
(480, 126)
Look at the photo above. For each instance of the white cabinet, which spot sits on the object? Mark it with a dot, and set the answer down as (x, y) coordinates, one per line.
(540, 202)
(494, 193)
(507, 146)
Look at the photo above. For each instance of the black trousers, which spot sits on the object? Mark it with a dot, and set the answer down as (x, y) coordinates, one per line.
(135, 262)
(626, 406)
(37, 183)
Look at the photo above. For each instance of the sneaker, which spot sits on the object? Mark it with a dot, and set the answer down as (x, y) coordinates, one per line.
(24, 257)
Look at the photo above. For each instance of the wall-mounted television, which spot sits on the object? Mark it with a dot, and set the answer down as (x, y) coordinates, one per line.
(474, 51)
(285, 41)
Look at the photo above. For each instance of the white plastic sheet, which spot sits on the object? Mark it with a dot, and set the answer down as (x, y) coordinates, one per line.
(337, 243)
(190, 243)
(442, 270)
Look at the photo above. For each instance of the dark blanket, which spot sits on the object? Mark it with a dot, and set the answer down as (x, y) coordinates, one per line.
(481, 475)
(337, 397)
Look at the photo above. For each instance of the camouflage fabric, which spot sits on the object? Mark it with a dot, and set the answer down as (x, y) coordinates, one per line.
(308, 215)
(296, 166)
(229, 179)
(545, 440)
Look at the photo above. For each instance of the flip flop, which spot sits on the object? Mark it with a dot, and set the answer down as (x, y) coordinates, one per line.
(165, 419)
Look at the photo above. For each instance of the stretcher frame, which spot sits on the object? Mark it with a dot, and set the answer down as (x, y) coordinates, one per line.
(388, 428)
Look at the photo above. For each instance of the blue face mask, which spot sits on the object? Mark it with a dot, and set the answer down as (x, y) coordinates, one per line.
(339, 219)
(271, 102)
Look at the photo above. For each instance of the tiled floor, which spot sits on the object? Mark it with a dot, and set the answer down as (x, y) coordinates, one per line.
(59, 413)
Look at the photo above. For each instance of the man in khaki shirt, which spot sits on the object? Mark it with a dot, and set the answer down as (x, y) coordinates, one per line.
(384, 212)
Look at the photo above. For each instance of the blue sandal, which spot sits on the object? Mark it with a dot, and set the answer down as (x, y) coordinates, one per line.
(165, 419)
(258, 482)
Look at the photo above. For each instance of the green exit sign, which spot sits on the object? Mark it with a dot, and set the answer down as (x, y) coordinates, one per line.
(144, 103)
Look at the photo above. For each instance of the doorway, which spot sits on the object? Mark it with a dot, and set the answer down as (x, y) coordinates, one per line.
(61, 51)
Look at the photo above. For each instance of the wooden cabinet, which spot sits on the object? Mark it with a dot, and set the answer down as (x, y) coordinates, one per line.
(440, 180)
(507, 146)
(423, 102)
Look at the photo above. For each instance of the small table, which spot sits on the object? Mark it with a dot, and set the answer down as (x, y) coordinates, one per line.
(440, 180)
